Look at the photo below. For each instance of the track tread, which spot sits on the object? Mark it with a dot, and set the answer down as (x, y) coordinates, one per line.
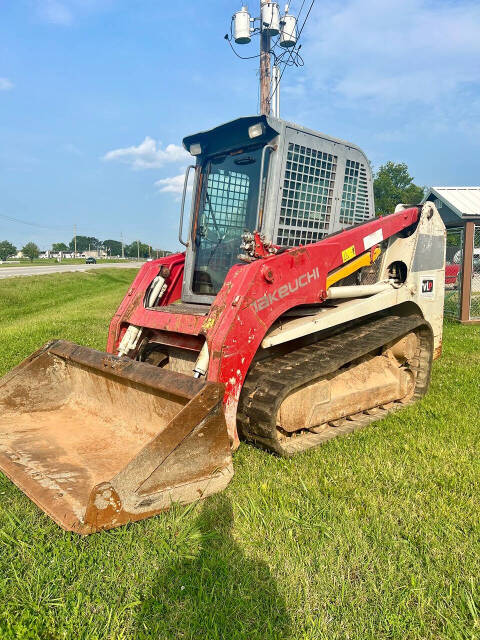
(270, 381)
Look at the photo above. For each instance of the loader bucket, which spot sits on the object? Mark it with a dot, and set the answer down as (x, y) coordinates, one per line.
(97, 441)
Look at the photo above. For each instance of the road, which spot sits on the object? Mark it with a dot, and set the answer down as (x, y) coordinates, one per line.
(39, 270)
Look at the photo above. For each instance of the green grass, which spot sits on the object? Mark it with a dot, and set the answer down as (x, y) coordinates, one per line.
(373, 536)
(25, 262)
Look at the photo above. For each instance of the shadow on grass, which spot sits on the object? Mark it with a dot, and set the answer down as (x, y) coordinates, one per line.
(221, 593)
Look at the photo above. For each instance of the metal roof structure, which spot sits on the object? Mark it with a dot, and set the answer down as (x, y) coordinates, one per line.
(464, 201)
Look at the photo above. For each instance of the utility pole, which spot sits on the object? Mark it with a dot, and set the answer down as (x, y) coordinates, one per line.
(265, 68)
(138, 249)
(123, 248)
(272, 24)
(74, 240)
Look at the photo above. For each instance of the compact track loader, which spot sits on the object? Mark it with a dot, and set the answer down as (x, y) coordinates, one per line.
(293, 316)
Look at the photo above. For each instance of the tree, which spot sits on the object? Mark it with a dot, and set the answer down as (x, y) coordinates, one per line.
(113, 247)
(84, 243)
(30, 250)
(59, 246)
(7, 249)
(393, 185)
(132, 251)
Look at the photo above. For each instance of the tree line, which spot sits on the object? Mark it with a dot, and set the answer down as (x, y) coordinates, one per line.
(82, 244)
(8, 250)
(111, 247)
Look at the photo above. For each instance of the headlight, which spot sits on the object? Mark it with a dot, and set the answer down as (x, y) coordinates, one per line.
(195, 149)
(256, 130)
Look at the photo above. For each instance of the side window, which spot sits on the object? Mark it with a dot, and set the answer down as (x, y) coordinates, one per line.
(307, 195)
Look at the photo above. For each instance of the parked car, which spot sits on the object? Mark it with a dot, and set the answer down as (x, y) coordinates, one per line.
(457, 258)
(451, 273)
(90, 261)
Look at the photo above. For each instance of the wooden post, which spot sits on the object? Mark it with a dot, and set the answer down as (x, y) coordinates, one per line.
(265, 83)
(466, 286)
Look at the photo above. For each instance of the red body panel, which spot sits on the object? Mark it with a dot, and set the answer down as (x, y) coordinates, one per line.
(253, 296)
(131, 309)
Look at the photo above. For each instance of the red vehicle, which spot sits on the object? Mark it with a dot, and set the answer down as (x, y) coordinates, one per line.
(453, 269)
(292, 317)
(451, 273)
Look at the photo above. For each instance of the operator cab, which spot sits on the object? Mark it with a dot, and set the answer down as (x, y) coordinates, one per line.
(293, 185)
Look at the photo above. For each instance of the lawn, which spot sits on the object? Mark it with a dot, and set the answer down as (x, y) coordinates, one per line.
(25, 262)
(373, 536)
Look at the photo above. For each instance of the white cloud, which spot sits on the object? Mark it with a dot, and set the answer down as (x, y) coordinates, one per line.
(390, 52)
(173, 184)
(56, 12)
(5, 84)
(71, 148)
(64, 12)
(147, 155)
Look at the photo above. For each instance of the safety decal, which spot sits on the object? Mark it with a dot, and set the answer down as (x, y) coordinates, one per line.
(427, 287)
(348, 254)
(372, 239)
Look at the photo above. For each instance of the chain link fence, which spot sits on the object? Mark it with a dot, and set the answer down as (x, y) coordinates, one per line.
(453, 276)
(475, 297)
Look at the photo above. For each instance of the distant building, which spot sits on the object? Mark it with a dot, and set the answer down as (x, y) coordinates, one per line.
(57, 255)
(96, 253)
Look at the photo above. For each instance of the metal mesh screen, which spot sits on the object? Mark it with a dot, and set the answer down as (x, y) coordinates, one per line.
(307, 195)
(453, 264)
(475, 297)
(226, 204)
(227, 196)
(354, 207)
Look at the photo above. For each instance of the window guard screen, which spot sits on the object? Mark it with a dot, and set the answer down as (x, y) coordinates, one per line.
(354, 207)
(227, 195)
(307, 195)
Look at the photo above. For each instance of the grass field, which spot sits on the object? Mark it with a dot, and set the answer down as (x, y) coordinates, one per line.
(25, 262)
(373, 536)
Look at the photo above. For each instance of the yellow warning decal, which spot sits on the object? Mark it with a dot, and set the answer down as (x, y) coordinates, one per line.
(348, 254)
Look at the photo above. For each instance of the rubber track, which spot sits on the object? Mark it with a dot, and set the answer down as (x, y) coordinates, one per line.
(270, 381)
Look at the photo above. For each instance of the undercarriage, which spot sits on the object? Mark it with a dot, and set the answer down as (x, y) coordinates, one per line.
(301, 399)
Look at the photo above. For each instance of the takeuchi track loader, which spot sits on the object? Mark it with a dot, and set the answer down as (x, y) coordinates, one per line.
(293, 316)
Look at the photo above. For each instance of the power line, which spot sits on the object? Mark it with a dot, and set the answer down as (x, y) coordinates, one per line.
(306, 18)
(237, 54)
(301, 9)
(61, 229)
(32, 224)
(285, 64)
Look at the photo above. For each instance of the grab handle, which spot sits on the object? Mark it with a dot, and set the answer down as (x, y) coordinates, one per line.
(185, 185)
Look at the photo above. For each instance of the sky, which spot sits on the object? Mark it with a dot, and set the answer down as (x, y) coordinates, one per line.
(96, 96)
